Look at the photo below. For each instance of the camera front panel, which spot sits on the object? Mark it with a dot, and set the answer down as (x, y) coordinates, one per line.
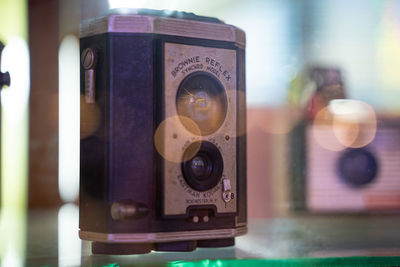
(199, 131)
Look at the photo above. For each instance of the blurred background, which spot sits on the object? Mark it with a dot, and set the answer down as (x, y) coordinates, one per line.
(298, 52)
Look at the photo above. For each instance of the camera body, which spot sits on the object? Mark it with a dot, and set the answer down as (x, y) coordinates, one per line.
(330, 178)
(163, 150)
(344, 155)
(359, 179)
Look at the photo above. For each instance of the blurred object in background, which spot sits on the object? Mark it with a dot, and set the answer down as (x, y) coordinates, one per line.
(68, 126)
(70, 15)
(259, 164)
(268, 132)
(309, 95)
(15, 60)
(4, 82)
(54, 127)
(353, 160)
(14, 132)
(314, 91)
(68, 102)
(362, 39)
(346, 160)
(43, 134)
(328, 86)
(4, 77)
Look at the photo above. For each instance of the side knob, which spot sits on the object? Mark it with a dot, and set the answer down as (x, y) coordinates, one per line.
(89, 61)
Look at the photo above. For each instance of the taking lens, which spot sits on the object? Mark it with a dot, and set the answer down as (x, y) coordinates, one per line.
(202, 98)
(200, 166)
(203, 170)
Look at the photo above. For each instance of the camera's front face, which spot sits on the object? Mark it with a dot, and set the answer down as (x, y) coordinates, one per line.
(197, 139)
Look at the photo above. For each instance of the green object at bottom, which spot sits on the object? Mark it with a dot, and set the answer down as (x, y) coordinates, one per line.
(346, 261)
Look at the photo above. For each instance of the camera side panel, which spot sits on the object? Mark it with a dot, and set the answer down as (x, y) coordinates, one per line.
(132, 122)
(118, 158)
(241, 150)
(94, 152)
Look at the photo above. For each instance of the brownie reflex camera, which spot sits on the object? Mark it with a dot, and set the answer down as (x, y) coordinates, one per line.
(163, 146)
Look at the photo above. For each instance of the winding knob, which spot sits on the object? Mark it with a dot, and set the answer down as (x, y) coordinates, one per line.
(89, 60)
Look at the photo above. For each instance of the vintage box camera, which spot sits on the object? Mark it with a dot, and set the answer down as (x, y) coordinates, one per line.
(354, 179)
(163, 150)
(344, 155)
(347, 162)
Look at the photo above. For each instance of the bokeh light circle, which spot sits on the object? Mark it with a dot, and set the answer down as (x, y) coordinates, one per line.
(345, 123)
(322, 130)
(358, 117)
(170, 137)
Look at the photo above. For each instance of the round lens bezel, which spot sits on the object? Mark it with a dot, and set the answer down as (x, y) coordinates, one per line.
(350, 176)
(220, 93)
(213, 157)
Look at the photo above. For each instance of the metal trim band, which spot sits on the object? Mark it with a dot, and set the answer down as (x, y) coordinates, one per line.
(160, 25)
(162, 236)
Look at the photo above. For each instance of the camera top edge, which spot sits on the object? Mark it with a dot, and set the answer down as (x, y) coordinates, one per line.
(165, 13)
(164, 22)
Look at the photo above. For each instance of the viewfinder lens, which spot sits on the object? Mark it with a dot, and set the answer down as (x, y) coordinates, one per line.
(202, 98)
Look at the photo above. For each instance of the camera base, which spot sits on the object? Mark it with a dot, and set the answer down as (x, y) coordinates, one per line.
(121, 248)
(181, 246)
(143, 248)
(216, 243)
